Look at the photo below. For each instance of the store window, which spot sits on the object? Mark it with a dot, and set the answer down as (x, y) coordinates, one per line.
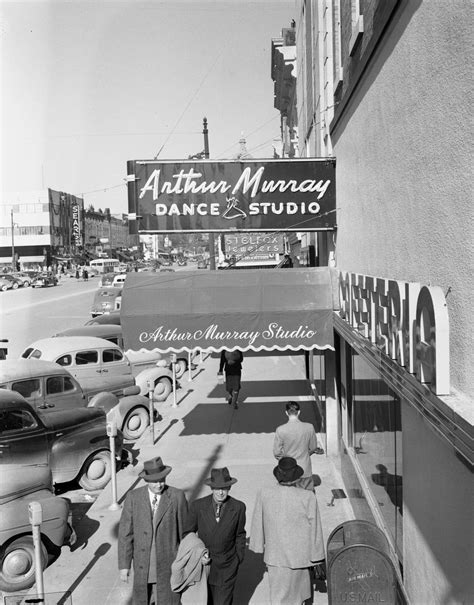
(377, 442)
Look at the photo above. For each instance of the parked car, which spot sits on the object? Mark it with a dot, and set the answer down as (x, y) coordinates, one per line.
(105, 300)
(24, 277)
(99, 365)
(45, 279)
(112, 318)
(202, 264)
(5, 284)
(15, 281)
(139, 359)
(49, 387)
(72, 444)
(21, 484)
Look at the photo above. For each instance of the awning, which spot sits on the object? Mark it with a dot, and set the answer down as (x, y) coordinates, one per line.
(275, 309)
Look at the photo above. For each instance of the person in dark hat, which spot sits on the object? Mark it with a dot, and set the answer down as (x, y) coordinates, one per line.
(219, 521)
(286, 527)
(151, 527)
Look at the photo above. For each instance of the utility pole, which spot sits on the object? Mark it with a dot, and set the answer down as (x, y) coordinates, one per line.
(212, 257)
(13, 241)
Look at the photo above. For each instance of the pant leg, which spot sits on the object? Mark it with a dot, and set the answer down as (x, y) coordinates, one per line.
(221, 595)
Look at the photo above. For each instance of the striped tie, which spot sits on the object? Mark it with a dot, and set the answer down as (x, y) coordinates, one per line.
(218, 512)
(154, 504)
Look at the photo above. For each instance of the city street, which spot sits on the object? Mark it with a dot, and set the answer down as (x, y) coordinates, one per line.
(201, 433)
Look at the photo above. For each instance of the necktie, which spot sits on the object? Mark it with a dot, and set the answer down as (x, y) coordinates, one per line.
(218, 512)
(154, 504)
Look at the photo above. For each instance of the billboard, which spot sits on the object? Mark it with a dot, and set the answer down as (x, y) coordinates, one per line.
(76, 224)
(253, 247)
(229, 195)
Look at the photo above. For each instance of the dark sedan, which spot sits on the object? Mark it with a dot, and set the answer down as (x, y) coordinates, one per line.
(16, 282)
(45, 279)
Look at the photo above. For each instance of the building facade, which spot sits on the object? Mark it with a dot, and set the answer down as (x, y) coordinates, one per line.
(105, 233)
(382, 86)
(37, 226)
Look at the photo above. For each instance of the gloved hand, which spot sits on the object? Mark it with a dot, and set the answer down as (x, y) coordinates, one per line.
(320, 570)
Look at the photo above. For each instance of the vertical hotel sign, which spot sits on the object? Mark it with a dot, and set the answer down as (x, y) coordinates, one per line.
(76, 224)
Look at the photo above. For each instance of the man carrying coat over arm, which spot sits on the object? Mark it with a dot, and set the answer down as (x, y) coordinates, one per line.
(286, 527)
(219, 521)
(150, 529)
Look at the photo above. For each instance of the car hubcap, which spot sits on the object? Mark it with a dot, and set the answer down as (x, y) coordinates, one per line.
(134, 422)
(96, 469)
(17, 563)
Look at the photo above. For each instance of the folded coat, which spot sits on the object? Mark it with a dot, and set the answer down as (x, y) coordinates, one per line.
(188, 574)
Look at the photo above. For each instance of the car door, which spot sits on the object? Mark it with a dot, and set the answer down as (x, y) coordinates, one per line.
(31, 389)
(83, 365)
(23, 439)
(114, 362)
(62, 392)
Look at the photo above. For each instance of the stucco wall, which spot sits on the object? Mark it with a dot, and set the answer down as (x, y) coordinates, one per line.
(437, 517)
(404, 174)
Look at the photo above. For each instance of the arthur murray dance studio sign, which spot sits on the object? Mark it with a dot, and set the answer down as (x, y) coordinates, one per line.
(270, 195)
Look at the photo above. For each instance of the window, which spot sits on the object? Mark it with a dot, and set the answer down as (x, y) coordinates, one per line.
(86, 357)
(59, 384)
(27, 353)
(64, 360)
(16, 420)
(54, 385)
(377, 442)
(28, 388)
(36, 354)
(110, 355)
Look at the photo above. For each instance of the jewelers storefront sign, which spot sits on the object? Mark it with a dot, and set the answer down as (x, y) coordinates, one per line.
(270, 195)
(406, 321)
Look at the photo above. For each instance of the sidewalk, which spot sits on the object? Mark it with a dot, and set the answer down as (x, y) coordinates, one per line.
(202, 432)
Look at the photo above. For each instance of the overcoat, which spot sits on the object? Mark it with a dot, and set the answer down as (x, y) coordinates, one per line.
(136, 535)
(297, 440)
(286, 527)
(225, 540)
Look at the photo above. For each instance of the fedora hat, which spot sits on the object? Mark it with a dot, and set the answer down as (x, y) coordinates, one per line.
(154, 470)
(220, 478)
(287, 470)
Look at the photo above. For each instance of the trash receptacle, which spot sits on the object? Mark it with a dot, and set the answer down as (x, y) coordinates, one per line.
(359, 567)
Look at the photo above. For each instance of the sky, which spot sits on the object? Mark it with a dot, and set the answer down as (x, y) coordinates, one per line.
(86, 86)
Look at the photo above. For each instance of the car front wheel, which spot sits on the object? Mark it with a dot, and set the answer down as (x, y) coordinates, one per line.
(95, 473)
(135, 424)
(15, 286)
(26, 284)
(180, 367)
(17, 566)
(163, 388)
(4, 288)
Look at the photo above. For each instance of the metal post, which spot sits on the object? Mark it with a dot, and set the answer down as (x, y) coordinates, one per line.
(112, 433)
(35, 513)
(13, 241)
(151, 388)
(173, 367)
(190, 373)
(212, 258)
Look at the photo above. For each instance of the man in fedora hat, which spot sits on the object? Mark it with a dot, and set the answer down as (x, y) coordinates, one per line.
(219, 521)
(286, 527)
(298, 440)
(150, 529)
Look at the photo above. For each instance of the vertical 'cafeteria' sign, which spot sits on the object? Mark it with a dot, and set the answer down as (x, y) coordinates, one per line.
(246, 195)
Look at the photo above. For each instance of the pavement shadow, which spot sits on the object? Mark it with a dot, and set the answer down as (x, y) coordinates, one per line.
(251, 417)
(102, 550)
(250, 575)
(84, 526)
(266, 388)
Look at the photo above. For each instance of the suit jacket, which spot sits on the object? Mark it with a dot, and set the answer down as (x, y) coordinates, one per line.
(136, 536)
(297, 440)
(225, 540)
(286, 527)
